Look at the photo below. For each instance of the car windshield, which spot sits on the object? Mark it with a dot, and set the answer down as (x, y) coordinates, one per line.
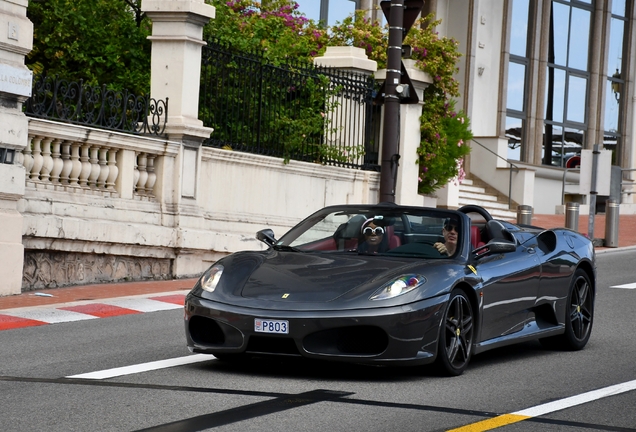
(372, 230)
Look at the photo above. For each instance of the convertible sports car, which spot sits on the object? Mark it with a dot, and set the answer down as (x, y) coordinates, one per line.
(396, 285)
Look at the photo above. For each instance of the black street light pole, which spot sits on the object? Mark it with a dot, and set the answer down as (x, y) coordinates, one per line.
(391, 134)
(397, 89)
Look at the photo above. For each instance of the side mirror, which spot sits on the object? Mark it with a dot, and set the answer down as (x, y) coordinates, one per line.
(496, 246)
(266, 236)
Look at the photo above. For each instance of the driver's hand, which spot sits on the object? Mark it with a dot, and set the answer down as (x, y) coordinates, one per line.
(441, 248)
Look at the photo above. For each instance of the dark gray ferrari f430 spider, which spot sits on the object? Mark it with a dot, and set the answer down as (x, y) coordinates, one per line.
(396, 285)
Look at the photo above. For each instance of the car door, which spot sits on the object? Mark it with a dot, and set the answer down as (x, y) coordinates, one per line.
(510, 288)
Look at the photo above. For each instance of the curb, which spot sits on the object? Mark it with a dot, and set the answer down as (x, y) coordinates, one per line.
(89, 309)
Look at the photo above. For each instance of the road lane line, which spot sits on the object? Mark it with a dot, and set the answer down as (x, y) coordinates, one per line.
(144, 367)
(547, 408)
(493, 423)
(625, 286)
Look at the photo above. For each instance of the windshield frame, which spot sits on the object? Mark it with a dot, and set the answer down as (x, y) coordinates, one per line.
(415, 240)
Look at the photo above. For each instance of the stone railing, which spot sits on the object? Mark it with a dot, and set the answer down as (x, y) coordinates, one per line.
(83, 160)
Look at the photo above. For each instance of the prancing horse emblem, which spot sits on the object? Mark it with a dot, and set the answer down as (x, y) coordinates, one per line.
(285, 295)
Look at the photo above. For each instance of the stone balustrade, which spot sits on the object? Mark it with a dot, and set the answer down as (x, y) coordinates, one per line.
(82, 160)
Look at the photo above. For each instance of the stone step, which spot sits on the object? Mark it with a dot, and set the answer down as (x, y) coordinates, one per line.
(477, 195)
(504, 215)
(473, 189)
(483, 201)
(499, 208)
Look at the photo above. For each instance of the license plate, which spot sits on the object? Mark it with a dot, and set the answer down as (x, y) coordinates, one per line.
(271, 326)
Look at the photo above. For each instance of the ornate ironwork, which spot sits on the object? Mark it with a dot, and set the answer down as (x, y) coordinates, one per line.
(78, 103)
(293, 110)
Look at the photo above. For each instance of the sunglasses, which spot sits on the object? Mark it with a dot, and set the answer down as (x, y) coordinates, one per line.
(373, 231)
(450, 228)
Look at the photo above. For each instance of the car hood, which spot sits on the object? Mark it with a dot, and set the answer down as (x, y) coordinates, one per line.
(316, 278)
(303, 281)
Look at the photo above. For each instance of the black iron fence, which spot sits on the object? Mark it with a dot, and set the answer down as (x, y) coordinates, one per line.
(292, 111)
(78, 103)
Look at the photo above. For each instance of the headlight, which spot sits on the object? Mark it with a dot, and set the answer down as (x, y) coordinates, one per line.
(398, 287)
(211, 277)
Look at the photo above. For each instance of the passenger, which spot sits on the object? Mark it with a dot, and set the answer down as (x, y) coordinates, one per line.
(451, 234)
(373, 239)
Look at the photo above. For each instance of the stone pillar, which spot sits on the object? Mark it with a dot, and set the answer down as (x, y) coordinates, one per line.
(16, 40)
(347, 58)
(408, 173)
(177, 38)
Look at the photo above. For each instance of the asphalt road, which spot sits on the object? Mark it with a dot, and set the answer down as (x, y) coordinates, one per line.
(296, 395)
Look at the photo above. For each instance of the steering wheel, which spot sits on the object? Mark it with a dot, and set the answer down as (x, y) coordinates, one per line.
(476, 209)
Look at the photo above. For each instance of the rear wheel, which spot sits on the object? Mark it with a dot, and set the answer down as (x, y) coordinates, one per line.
(579, 315)
(456, 337)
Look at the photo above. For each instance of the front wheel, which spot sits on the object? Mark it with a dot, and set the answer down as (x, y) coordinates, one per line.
(579, 315)
(456, 336)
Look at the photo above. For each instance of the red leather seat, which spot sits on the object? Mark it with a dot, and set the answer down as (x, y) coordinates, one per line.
(394, 240)
(475, 237)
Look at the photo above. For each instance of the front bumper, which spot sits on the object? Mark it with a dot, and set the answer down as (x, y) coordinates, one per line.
(394, 335)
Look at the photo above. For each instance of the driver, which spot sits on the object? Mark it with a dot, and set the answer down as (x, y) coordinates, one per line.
(450, 231)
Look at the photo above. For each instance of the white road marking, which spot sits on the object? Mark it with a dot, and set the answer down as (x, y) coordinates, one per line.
(142, 304)
(580, 399)
(144, 367)
(547, 408)
(625, 286)
(50, 316)
(54, 313)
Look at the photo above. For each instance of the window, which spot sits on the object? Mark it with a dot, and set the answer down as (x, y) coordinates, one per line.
(567, 81)
(517, 78)
(612, 137)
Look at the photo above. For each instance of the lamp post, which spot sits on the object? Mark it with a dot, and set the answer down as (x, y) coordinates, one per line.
(400, 14)
(390, 136)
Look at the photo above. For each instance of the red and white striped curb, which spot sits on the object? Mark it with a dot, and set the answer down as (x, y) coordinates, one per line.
(84, 310)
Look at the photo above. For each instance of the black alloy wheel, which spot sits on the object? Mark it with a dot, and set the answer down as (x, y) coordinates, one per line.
(578, 324)
(579, 315)
(456, 336)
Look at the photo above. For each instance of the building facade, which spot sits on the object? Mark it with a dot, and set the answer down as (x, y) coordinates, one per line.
(541, 80)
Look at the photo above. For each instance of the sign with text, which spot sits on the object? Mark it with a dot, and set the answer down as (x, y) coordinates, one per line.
(17, 81)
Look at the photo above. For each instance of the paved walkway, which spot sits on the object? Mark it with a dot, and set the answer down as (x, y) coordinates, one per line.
(138, 297)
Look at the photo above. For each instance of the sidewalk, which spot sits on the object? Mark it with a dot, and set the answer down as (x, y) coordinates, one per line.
(626, 231)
